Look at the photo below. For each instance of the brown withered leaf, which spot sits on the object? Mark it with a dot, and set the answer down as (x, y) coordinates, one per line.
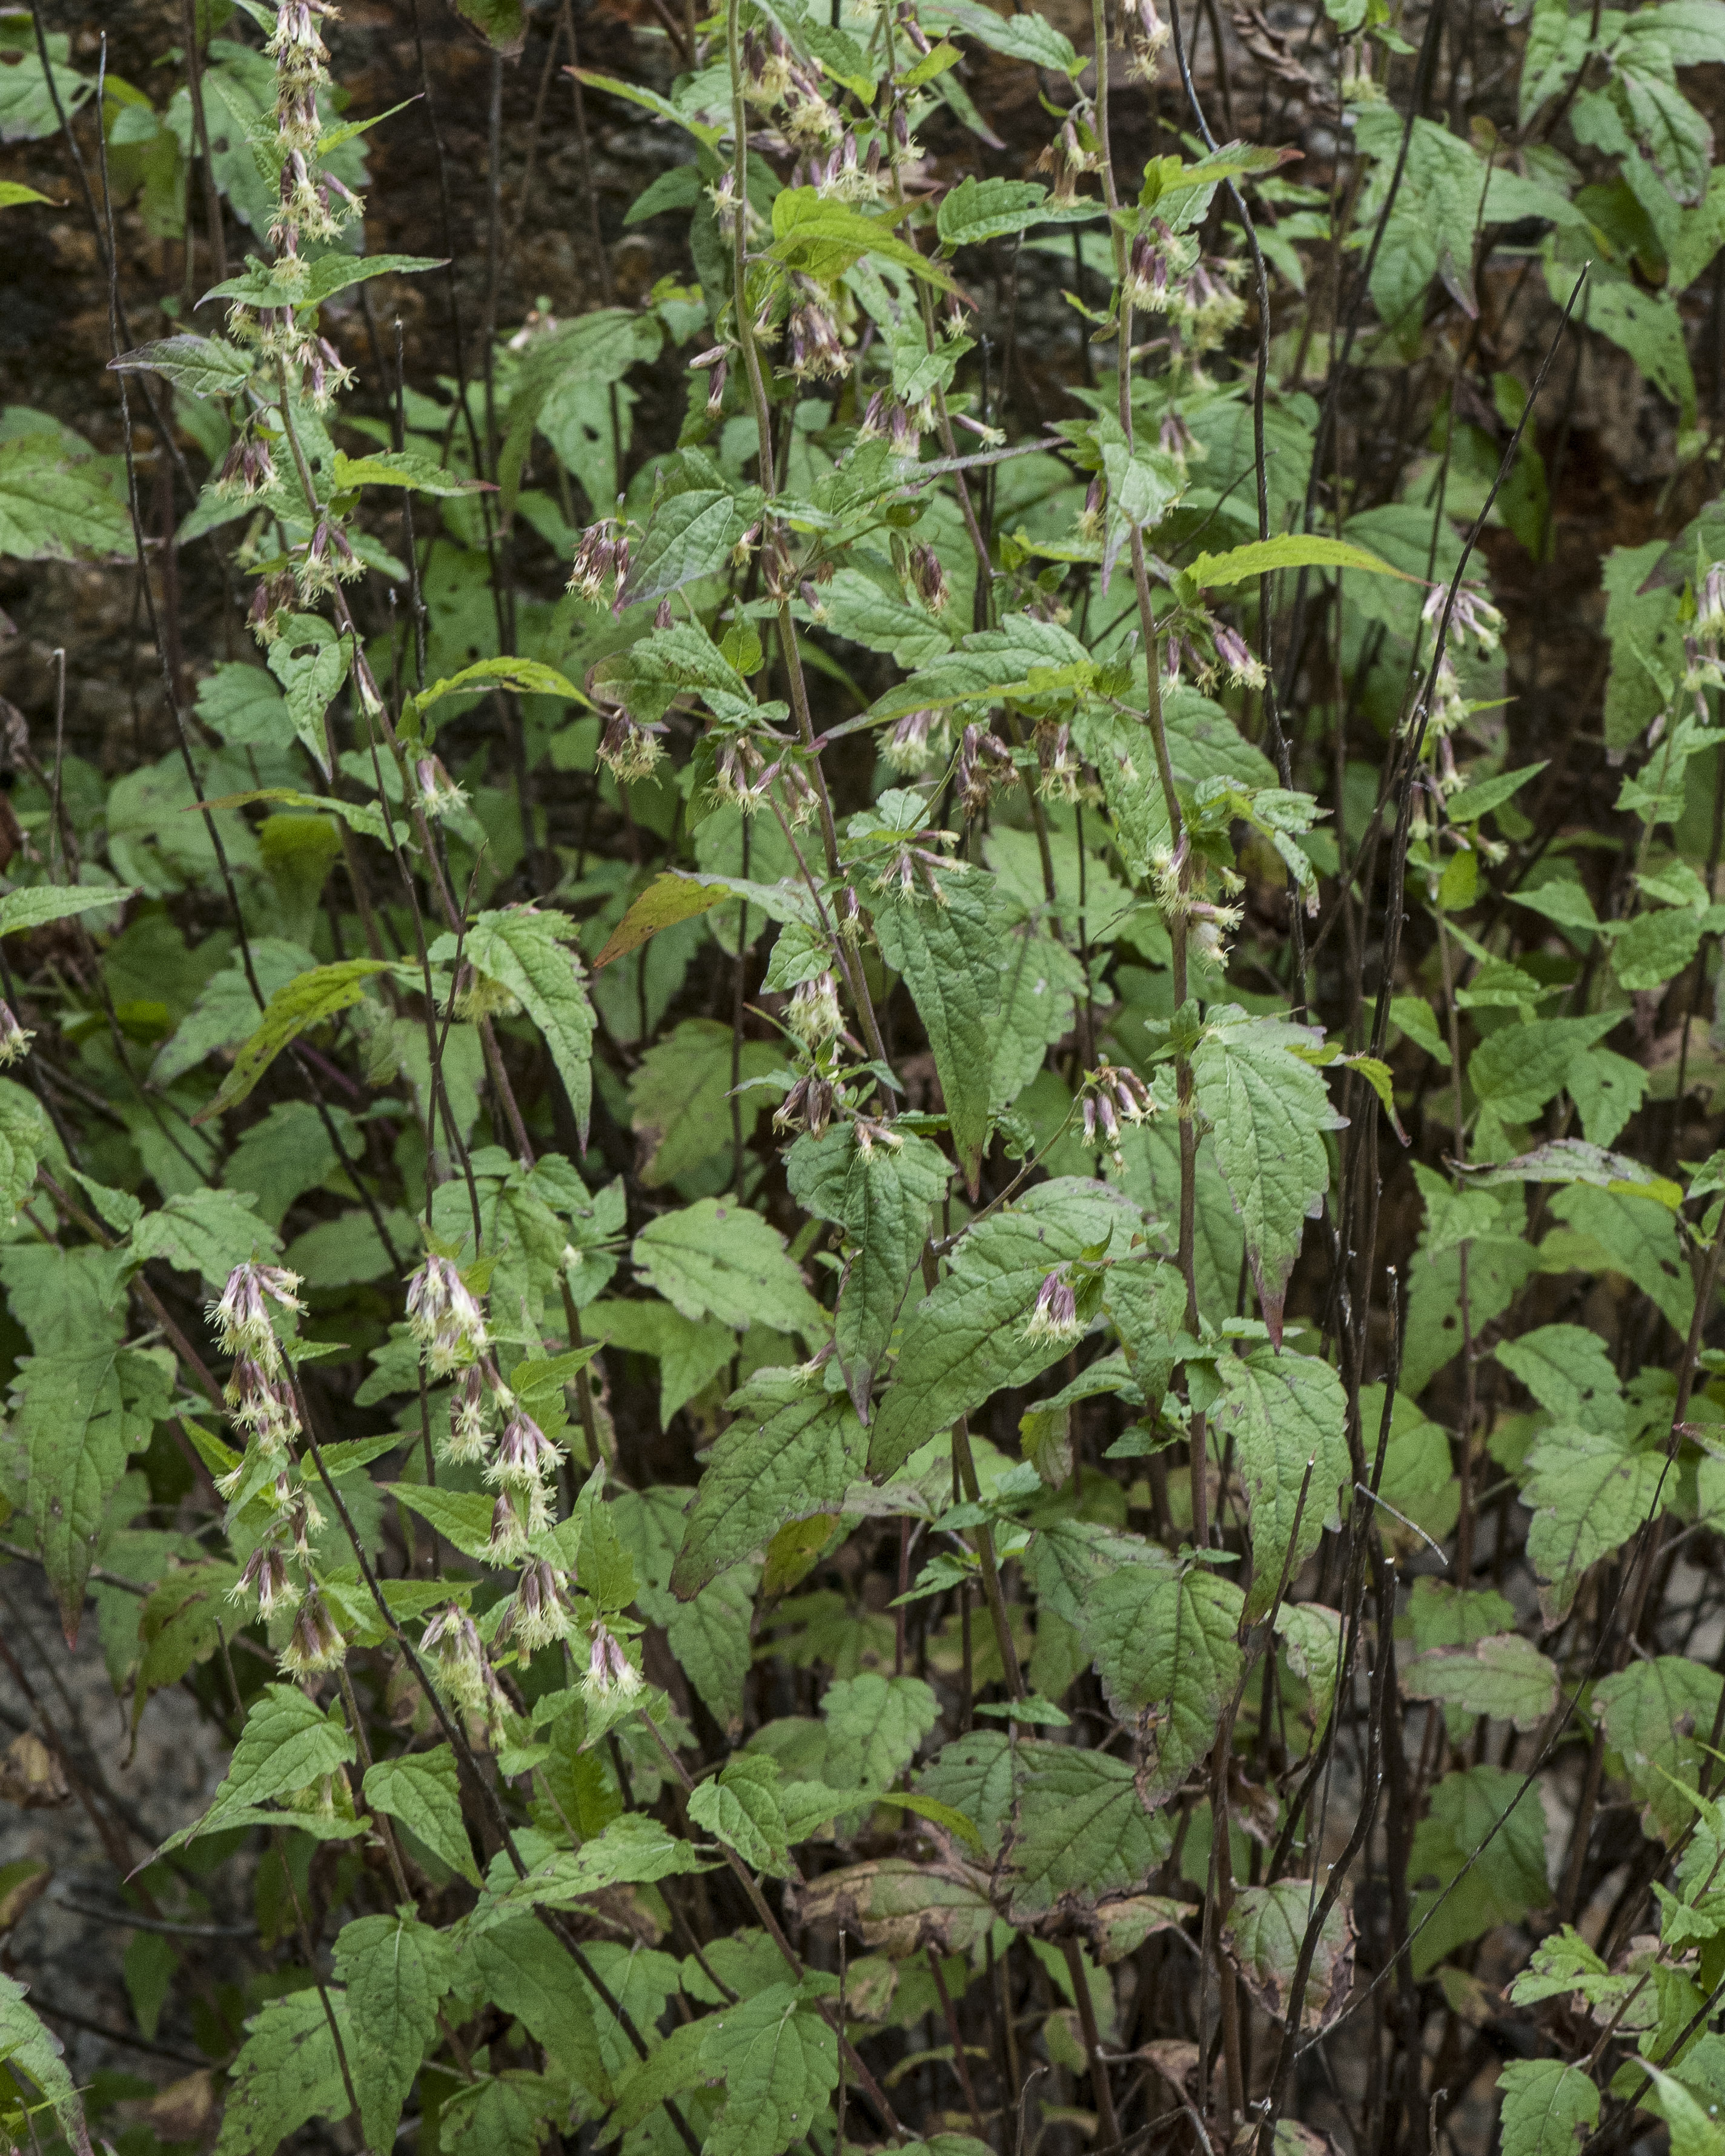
(182, 2111)
(21, 1884)
(1261, 1935)
(1120, 1927)
(30, 1775)
(900, 1908)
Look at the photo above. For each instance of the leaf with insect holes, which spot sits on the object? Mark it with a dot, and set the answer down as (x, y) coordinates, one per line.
(948, 953)
(312, 1000)
(311, 659)
(26, 2048)
(1165, 1642)
(968, 1338)
(77, 1416)
(1281, 1411)
(1588, 1493)
(1269, 1109)
(422, 1790)
(790, 1451)
(1548, 2107)
(881, 1192)
(1263, 1934)
(287, 2072)
(780, 2065)
(395, 1970)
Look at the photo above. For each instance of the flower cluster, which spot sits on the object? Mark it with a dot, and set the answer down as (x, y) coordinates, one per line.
(445, 1317)
(1054, 1317)
(603, 555)
(1114, 1096)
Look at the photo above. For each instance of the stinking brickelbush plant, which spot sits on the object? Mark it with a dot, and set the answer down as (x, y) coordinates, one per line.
(993, 1418)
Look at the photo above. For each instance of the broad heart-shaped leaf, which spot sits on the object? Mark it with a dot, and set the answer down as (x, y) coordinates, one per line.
(1517, 1070)
(288, 2071)
(1084, 1830)
(881, 1192)
(288, 1742)
(313, 999)
(1588, 1493)
(690, 1353)
(1166, 1647)
(967, 1339)
(1508, 1878)
(740, 1805)
(1502, 1675)
(1548, 2107)
(949, 951)
(41, 902)
(790, 1451)
(395, 1970)
(57, 508)
(77, 1416)
(207, 1232)
(1569, 1371)
(528, 951)
(1263, 1933)
(29, 2049)
(422, 1789)
(874, 1724)
(201, 366)
(1282, 1410)
(1269, 1109)
(1292, 550)
(715, 1258)
(780, 2063)
(679, 1098)
(1658, 1716)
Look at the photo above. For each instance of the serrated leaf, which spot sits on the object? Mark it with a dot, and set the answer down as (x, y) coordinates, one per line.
(790, 1452)
(24, 1138)
(422, 1789)
(1023, 658)
(665, 901)
(948, 955)
(1264, 1932)
(395, 1970)
(317, 281)
(206, 1232)
(1588, 1493)
(528, 952)
(1025, 35)
(680, 1097)
(408, 468)
(460, 1516)
(1658, 1716)
(740, 1805)
(1506, 1874)
(529, 1976)
(40, 903)
(824, 237)
(902, 1908)
(1568, 1369)
(715, 1259)
(1655, 947)
(26, 2048)
(634, 1849)
(882, 1194)
(1084, 1830)
(1166, 1648)
(286, 2073)
(287, 1743)
(968, 1338)
(1269, 1109)
(1502, 1675)
(780, 2065)
(1282, 1410)
(54, 507)
(1291, 550)
(201, 366)
(874, 1725)
(78, 1415)
(1517, 1070)
(691, 534)
(312, 1000)
(1548, 2106)
(976, 210)
(311, 659)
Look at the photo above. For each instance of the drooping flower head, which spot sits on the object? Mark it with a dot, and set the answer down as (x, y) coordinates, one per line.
(445, 1317)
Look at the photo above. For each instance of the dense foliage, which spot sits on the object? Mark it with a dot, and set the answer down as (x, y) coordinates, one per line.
(905, 1318)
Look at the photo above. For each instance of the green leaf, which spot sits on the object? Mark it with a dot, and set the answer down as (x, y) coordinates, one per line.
(528, 1974)
(1588, 1493)
(1548, 2107)
(968, 1338)
(668, 2069)
(680, 1097)
(26, 2048)
(1269, 1109)
(779, 2061)
(690, 1354)
(77, 1416)
(1291, 550)
(1023, 35)
(741, 1807)
(948, 955)
(317, 281)
(1655, 947)
(1506, 1877)
(1282, 1410)
(24, 1138)
(289, 1741)
(311, 659)
(1569, 1371)
(1658, 1718)
(789, 1452)
(1022, 658)
(206, 1232)
(461, 1516)
(715, 1258)
(1619, 1230)
(1517, 1070)
(1165, 1640)
(528, 677)
(422, 1789)
(55, 507)
(976, 210)
(1471, 803)
(695, 522)
(1263, 1934)
(874, 1725)
(411, 469)
(1084, 1829)
(201, 366)
(287, 2072)
(41, 903)
(823, 238)
(1695, 2126)
(666, 901)
(395, 1970)
(1502, 1675)
(312, 1000)
(528, 952)
(633, 1848)
(882, 1191)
